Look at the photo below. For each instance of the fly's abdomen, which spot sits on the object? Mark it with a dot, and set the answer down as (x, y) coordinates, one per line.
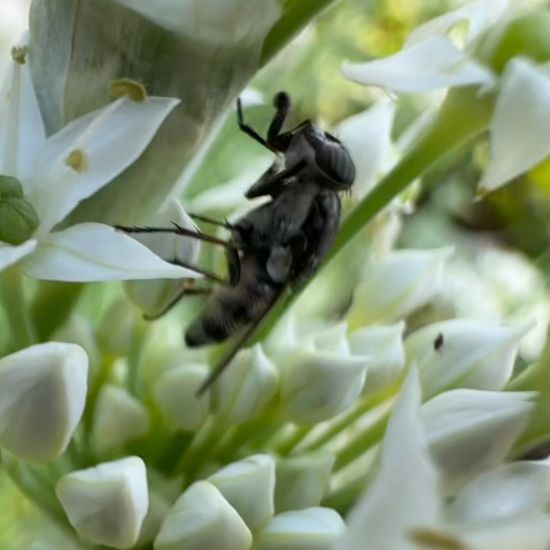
(229, 309)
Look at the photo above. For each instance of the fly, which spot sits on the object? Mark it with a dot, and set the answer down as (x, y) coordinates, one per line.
(277, 245)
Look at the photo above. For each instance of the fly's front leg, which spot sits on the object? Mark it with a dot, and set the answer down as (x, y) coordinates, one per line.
(187, 290)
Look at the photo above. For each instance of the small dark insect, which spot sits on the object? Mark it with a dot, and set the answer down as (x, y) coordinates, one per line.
(439, 341)
(277, 245)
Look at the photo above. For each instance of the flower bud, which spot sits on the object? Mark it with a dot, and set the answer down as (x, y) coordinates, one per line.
(18, 218)
(201, 518)
(470, 431)
(525, 36)
(317, 385)
(302, 480)
(309, 529)
(175, 394)
(247, 387)
(248, 485)
(397, 285)
(464, 353)
(384, 347)
(153, 296)
(42, 396)
(116, 330)
(118, 418)
(106, 504)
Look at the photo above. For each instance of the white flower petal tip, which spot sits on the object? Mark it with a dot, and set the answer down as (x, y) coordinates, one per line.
(212, 23)
(467, 353)
(42, 397)
(175, 395)
(107, 504)
(302, 480)
(10, 255)
(317, 385)
(405, 490)
(384, 344)
(250, 97)
(429, 65)
(118, 418)
(247, 387)
(522, 109)
(398, 284)
(202, 518)
(249, 485)
(89, 152)
(309, 529)
(22, 131)
(95, 252)
(470, 431)
(367, 136)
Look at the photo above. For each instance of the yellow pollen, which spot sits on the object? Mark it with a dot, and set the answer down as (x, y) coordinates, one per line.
(77, 161)
(435, 540)
(126, 87)
(19, 54)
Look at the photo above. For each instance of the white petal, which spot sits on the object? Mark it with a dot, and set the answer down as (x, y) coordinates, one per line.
(12, 254)
(210, 21)
(42, 396)
(97, 252)
(511, 490)
(470, 431)
(107, 503)
(200, 519)
(404, 493)
(106, 142)
(431, 64)
(478, 16)
(519, 129)
(367, 136)
(22, 131)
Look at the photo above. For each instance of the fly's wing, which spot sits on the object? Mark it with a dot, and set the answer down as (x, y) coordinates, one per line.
(290, 210)
(241, 341)
(319, 231)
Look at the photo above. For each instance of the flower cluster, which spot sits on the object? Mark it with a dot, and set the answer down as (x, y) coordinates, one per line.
(366, 427)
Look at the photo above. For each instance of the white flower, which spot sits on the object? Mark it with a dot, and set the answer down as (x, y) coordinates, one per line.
(430, 60)
(59, 172)
(321, 378)
(42, 396)
(302, 480)
(202, 518)
(308, 529)
(384, 346)
(249, 485)
(467, 353)
(118, 418)
(397, 285)
(208, 21)
(175, 395)
(404, 492)
(106, 504)
(247, 387)
(470, 431)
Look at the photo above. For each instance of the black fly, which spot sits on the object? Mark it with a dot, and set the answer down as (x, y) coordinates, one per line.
(278, 244)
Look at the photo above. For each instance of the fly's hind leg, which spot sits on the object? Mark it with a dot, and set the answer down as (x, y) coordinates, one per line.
(187, 290)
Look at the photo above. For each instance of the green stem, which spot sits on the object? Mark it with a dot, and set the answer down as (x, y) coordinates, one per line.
(15, 306)
(135, 357)
(361, 408)
(290, 442)
(52, 305)
(342, 498)
(361, 442)
(296, 16)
